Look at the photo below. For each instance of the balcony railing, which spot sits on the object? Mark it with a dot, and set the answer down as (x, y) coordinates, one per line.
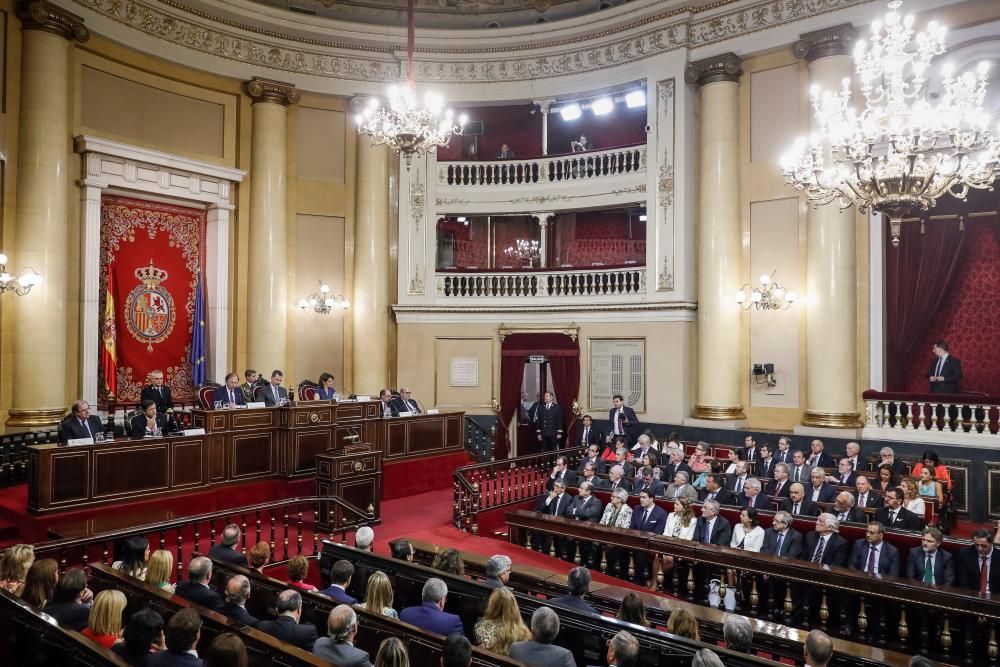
(561, 283)
(558, 169)
(908, 416)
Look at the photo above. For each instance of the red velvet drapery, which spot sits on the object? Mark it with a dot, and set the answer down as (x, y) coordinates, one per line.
(563, 354)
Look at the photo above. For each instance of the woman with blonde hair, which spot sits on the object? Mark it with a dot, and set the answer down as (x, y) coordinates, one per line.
(40, 582)
(501, 625)
(159, 569)
(392, 653)
(378, 595)
(105, 624)
(911, 497)
(683, 624)
(680, 524)
(14, 565)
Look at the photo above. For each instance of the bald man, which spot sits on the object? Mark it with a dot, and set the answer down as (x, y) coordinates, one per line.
(405, 402)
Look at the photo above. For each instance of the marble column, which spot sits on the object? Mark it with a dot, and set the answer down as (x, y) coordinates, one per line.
(267, 279)
(41, 223)
(371, 303)
(544, 225)
(831, 265)
(719, 240)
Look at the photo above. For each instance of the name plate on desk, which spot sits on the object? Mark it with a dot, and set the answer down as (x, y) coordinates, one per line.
(80, 441)
(405, 413)
(256, 404)
(359, 399)
(193, 431)
(432, 411)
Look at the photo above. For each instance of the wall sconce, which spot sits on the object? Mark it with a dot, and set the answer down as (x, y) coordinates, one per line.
(19, 285)
(322, 302)
(769, 296)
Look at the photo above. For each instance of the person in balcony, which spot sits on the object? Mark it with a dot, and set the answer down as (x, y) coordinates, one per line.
(581, 145)
(505, 153)
(945, 371)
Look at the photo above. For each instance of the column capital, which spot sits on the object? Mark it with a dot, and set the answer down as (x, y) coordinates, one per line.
(836, 41)
(275, 92)
(723, 67)
(43, 15)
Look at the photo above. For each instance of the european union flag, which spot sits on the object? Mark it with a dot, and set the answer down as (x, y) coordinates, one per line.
(198, 337)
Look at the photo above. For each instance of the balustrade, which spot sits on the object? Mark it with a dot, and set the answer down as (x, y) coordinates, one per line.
(903, 413)
(562, 283)
(559, 169)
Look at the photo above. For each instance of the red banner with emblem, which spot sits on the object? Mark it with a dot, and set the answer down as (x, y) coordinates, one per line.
(152, 252)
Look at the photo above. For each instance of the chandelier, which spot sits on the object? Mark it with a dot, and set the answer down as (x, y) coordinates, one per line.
(322, 302)
(19, 285)
(405, 126)
(903, 151)
(525, 251)
(769, 296)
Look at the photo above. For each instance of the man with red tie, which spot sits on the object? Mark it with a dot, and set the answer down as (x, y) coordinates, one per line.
(974, 564)
(874, 555)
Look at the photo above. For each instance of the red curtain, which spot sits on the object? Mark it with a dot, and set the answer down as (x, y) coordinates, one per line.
(152, 252)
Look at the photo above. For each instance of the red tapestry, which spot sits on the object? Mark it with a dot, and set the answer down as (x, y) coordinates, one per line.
(154, 252)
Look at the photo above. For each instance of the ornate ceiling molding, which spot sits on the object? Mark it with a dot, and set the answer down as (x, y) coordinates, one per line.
(723, 67)
(43, 15)
(836, 41)
(275, 92)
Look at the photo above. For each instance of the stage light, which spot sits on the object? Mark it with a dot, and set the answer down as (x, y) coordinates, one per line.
(636, 98)
(571, 112)
(602, 106)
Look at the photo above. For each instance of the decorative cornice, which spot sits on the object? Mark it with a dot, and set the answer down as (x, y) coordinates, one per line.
(723, 67)
(43, 15)
(273, 92)
(835, 41)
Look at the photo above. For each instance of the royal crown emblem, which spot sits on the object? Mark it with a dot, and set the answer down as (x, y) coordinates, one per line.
(149, 308)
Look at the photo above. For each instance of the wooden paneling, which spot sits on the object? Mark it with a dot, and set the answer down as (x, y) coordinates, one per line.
(70, 477)
(252, 455)
(187, 464)
(124, 470)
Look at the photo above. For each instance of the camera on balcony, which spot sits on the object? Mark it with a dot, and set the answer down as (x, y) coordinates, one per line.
(764, 374)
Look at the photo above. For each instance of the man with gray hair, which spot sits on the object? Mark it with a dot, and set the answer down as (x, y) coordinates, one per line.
(338, 645)
(844, 509)
(738, 633)
(287, 627)
(431, 615)
(623, 650)
(706, 657)
(899, 469)
(196, 589)
(237, 594)
(578, 583)
(817, 649)
(364, 539)
(616, 478)
(539, 651)
(228, 549)
(752, 496)
(497, 571)
(680, 488)
(824, 546)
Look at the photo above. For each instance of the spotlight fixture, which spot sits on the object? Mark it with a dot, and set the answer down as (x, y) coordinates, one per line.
(571, 112)
(602, 106)
(636, 98)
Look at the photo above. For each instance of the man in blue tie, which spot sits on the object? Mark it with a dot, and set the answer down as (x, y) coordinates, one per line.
(274, 394)
(80, 423)
(648, 518)
(231, 395)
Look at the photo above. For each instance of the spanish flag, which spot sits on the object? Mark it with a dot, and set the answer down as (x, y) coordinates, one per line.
(109, 361)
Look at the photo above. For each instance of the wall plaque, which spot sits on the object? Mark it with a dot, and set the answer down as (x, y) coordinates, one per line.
(464, 372)
(617, 366)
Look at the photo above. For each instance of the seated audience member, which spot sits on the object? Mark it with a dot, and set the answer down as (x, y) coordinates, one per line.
(680, 488)
(298, 570)
(134, 555)
(733, 458)
(586, 506)
(911, 497)
(648, 516)
(338, 645)
(798, 504)
(616, 478)
(971, 560)
(578, 584)
(378, 595)
(928, 487)
(340, 578)
(104, 625)
(781, 539)
(230, 395)
(457, 651)
(784, 451)
(228, 548)
(68, 605)
(385, 403)
(738, 633)
(675, 464)
(753, 497)
(590, 477)
(748, 534)
(159, 570)
(652, 461)
(712, 528)
(80, 423)
(886, 479)
(405, 402)
(700, 461)
(780, 486)
(402, 550)
(181, 637)
(431, 615)
(739, 477)
(450, 561)
(555, 503)
(825, 545)
(644, 482)
(259, 556)
(196, 589)
(325, 391)
(818, 490)
(617, 514)
(237, 594)
(642, 446)
(706, 657)
(253, 380)
(765, 464)
(874, 555)
(561, 473)
(865, 496)
(800, 470)
(273, 393)
(497, 571)
(898, 468)
(143, 636)
(633, 611)
(287, 626)
(158, 392)
(854, 455)
(149, 423)
(392, 653)
(894, 515)
(580, 145)
(505, 153)
(681, 522)
(587, 436)
(610, 453)
(364, 539)
(14, 566)
(227, 650)
(501, 624)
(931, 564)
(539, 651)
(845, 475)
(930, 461)
(40, 582)
(817, 649)
(714, 490)
(817, 457)
(683, 624)
(844, 509)
(623, 650)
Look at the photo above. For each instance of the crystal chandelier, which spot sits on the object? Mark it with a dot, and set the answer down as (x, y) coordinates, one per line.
(769, 296)
(525, 251)
(322, 302)
(19, 285)
(405, 126)
(902, 152)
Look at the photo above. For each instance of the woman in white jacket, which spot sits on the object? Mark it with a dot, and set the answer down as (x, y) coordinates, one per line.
(680, 524)
(749, 536)
(617, 515)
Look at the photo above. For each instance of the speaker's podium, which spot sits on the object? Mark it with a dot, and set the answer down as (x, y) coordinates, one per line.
(352, 479)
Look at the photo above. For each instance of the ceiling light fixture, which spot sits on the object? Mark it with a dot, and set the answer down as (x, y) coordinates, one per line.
(571, 112)
(602, 106)
(636, 98)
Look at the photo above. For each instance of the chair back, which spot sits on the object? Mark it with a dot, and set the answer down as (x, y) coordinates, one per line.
(308, 390)
(205, 393)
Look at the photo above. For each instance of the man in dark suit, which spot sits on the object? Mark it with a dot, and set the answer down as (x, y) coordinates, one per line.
(70, 603)
(714, 490)
(825, 545)
(621, 420)
(405, 402)
(844, 509)
(781, 539)
(539, 651)
(273, 393)
(675, 464)
(644, 482)
(555, 503)
(873, 554)
(549, 424)
(590, 475)
(894, 515)
(561, 473)
(148, 422)
(181, 636)
(643, 445)
(736, 479)
(505, 153)
(818, 490)
(784, 452)
(647, 517)
(340, 578)
(585, 507)
(845, 474)
(80, 423)
(227, 550)
(865, 496)
(858, 464)
(621, 458)
(286, 626)
(385, 406)
(798, 504)
(765, 463)
(497, 571)
(781, 485)
(974, 569)
(587, 435)
(593, 456)
(931, 564)
(431, 615)
(229, 396)
(196, 589)
(338, 646)
(945, 372)
(253, 380)
(158, 392)
(578, 583)
(750, 452)
(888, 457)
(616, 479)
(799, 470)
(710, 527)
(237, 594)
(819, 458)
(753, 497)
